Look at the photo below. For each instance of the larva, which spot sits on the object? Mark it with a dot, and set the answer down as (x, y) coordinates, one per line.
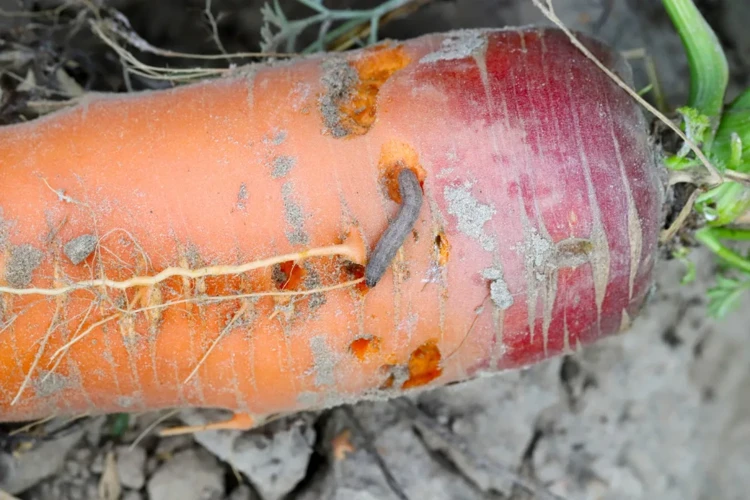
(396, 232)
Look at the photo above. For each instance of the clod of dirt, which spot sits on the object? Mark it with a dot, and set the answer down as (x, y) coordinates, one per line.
(132, 495)
(31, 467)
(131, 466)
(381, 431)
(78, 249)
(190, 475)
(242, 492)
(274, 460)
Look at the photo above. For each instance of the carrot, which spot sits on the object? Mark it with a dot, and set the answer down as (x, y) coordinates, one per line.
(207, 245)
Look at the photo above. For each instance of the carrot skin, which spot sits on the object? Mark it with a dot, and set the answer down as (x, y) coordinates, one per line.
(537, 235)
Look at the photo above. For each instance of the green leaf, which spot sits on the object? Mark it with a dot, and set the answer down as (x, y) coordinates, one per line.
(119, 423)
(681, 254)
(734, 122)
(710, 238)
(697, 126)
(725, 203)
(725, 295)
(675, 162)
(709, 71)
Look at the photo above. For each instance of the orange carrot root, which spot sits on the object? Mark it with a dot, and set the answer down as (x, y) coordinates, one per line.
(206, 246)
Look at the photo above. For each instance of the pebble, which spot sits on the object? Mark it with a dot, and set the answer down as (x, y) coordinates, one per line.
(242, 492)
(274, 460)
(131, 465)
(190, 475)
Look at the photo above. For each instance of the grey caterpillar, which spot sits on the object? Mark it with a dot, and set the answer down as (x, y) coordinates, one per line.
(395, 234)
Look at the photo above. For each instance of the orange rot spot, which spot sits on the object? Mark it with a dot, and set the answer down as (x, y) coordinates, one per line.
(373, 68)
(365, 346)
(424, 365)
(395, 156)
(442, 248)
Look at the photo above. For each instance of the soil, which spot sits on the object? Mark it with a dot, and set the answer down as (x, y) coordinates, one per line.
(660, 412)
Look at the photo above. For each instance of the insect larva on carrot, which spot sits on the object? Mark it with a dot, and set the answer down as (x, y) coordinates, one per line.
(397, 231)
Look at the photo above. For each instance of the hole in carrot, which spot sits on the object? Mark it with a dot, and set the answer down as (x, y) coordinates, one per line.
(424, 365)
(364, 346)
(388, 384)
(442, 248)
(288, 275)
(394, 157)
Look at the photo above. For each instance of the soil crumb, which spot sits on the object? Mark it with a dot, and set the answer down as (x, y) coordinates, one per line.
(471, 214)
(324, 361)
(24, 259)
(242, 197)
(4, 229)
(294, 216)
(282, 165)
(499, 292)
(461, 44)
(339, 79)
(78, 249)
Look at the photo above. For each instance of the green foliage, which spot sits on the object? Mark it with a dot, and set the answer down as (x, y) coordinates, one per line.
(709, 70)
(681, 254)
(280, 32)
(723, 133)
(118, 424)
(697, 127)
(724, 296)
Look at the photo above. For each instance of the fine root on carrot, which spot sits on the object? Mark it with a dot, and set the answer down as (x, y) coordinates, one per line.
(53, 325)
(221, 335)
(343, 250)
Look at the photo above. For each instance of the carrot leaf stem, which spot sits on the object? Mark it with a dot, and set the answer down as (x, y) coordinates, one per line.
(709, 70)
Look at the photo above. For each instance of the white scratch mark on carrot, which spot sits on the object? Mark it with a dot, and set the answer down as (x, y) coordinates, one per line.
(550, 272)
(635, 231)
(498, 311)
(600, 257)
(531, 248)
(498, 325)
(625, 321)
